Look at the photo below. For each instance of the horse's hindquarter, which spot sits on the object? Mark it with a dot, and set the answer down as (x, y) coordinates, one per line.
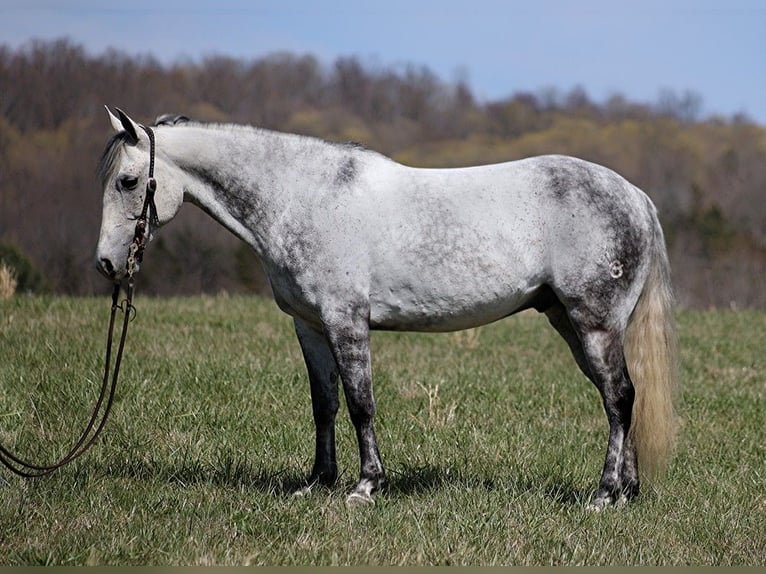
(452, 249)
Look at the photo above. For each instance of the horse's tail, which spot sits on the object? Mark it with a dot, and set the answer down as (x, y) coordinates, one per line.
(651, 351)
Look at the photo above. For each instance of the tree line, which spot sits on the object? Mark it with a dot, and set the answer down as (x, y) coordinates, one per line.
(707, 175)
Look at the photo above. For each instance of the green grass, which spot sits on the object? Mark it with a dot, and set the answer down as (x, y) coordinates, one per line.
(492, 446)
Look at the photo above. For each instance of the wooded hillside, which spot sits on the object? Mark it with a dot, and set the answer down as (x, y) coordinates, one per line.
(706, 175)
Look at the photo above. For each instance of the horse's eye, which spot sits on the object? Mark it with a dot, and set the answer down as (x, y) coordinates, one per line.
(128, 182)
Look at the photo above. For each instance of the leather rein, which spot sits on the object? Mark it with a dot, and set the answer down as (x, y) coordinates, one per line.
(147, 219)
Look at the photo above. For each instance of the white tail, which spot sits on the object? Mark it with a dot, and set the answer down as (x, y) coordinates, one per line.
(651, 351)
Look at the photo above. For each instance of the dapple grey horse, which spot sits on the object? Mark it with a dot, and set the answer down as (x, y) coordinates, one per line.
(352, 241)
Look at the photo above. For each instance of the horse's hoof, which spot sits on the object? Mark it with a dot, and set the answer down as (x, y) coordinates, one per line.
(359, 499)
(622, 501)
(599, 504)
(305, 491)
(602, 502)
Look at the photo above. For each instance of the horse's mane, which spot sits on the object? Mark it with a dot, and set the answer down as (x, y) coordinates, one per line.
(180, 119)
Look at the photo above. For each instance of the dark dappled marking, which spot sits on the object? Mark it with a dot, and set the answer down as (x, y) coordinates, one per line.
(346, 172)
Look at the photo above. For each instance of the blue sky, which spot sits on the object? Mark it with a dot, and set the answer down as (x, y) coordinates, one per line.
(716, 48)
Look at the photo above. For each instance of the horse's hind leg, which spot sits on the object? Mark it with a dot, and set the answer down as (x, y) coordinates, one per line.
(603, 350)
(598, 351)
(323, 378)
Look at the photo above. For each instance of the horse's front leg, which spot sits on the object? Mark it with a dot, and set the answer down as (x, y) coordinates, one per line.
(349, 336)
(323, 378)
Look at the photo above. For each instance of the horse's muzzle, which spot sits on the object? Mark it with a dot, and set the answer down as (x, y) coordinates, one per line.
(105, 267)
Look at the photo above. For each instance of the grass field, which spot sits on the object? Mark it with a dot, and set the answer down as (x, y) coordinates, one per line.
(492, 440)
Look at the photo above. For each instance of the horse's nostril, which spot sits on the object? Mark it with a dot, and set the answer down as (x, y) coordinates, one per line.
(105, 266)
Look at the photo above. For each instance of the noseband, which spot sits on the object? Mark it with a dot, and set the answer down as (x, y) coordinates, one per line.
(147, 220)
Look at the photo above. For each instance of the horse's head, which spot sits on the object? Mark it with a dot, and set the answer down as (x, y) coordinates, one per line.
(123, 172)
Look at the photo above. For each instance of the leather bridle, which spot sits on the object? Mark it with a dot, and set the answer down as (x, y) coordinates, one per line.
(148, 217)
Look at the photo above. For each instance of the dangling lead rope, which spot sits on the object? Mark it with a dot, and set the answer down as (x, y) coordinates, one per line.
(147, 218)
(27, 469)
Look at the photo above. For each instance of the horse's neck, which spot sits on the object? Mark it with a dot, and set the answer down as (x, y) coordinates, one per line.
(244, 178)
(237, 154)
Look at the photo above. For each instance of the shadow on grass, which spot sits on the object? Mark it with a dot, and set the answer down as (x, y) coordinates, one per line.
(407, 481)
(226, 473)
(422, 479)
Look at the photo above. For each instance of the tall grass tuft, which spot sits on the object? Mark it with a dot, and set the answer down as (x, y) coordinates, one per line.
(8, 282)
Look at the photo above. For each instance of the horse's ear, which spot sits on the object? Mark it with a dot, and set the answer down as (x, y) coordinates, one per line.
(129, 126)
(116, 125)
